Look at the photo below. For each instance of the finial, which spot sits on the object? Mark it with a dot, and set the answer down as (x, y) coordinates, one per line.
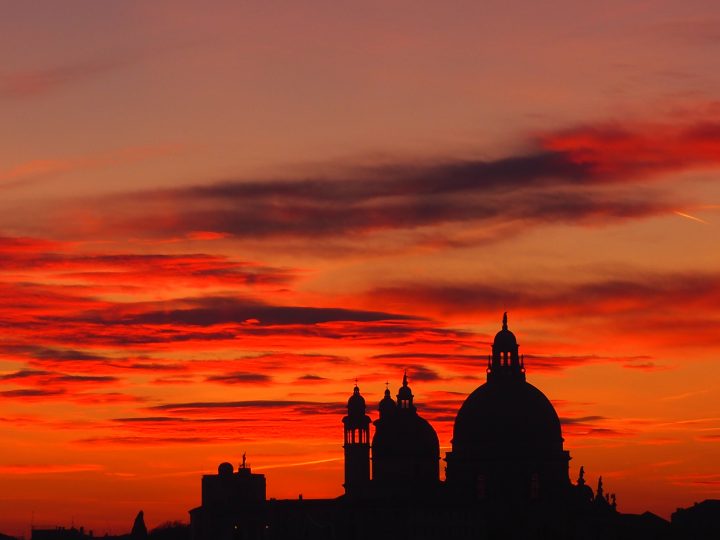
(405, 381)
(581, 478)
(244, 461)
(505, 321)
(599, 493)
(387, 385)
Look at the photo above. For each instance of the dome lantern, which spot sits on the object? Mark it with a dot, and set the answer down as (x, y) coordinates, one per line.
(505, 360)
(405, 396)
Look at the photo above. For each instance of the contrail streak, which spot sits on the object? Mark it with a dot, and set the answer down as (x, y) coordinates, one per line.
(688, 216)
(280, 466)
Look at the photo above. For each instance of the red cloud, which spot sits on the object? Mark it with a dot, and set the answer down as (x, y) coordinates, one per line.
(664, 309)
(26, 258)
(616, 152)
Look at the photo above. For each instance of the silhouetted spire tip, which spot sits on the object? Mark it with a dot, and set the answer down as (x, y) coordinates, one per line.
(505, 325)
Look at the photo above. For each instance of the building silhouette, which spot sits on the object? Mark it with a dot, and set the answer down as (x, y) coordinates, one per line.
(356, 445)
(233, 504)
(405, 449)
(506, 477)
(507, 445)
(698, 522)
(138, 532)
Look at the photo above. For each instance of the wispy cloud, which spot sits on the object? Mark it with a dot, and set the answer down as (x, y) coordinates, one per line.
(587, 175)
(49, 468)
(43, 168)
(240, 377)
(639, 294)
(37, 82)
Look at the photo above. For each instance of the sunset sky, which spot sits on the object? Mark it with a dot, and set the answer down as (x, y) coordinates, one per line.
(216, 215)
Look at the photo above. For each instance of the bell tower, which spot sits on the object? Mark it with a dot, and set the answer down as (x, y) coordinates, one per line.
(356, 445)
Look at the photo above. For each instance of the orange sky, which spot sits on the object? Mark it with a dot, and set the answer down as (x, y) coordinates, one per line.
(214, 217)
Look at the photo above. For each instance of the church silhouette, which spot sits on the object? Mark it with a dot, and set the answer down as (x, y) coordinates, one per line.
(507, 476)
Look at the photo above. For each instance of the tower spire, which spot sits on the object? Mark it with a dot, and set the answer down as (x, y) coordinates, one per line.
(356, 444)
(505, 326)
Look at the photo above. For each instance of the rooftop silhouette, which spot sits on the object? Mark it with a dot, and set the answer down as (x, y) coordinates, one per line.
(507, 476)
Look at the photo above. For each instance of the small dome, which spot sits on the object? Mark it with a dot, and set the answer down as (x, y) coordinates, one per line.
(505, 341)
(405, 393)
(584, 493)
(356, 403)
(387, 404)
(225, 469)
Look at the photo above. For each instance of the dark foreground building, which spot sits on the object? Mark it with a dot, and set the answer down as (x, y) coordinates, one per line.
(138, 532)
(506, 478)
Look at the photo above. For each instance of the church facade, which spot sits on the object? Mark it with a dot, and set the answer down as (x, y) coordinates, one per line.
(506, 475)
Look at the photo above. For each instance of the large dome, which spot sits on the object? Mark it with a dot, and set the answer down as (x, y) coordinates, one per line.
(406, 435)
(507, 443)
(507, 417)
